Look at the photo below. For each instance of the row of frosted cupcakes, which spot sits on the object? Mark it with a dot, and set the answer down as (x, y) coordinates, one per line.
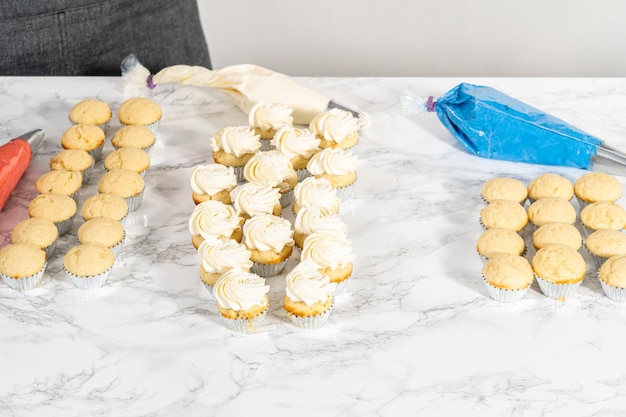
(52, 211)
(557, 264)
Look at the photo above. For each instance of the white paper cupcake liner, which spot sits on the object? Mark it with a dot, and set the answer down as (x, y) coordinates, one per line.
(87, 173)
(76, 197)
(597, 260)
(268, 270)
(154, 127)
(208, 287)
(96, 153)
(345, 193)
(91, 282)
(557, 291)
(26, 283)
(245, 325)
(65, 226)
(504, 295)
(117, 248)
(302, 174)
(134, 202)
(266, 145)
(310, 322)
(286, 199)
(614, 293)
(50, 249)
(341, 287)
(239, 174)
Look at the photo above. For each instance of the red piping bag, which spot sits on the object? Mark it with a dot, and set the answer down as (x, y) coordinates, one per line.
(15, 157)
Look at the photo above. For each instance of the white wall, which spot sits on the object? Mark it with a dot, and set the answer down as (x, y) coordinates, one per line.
(420, 37)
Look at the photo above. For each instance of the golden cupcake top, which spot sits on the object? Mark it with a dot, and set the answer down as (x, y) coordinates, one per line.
(21, 260)
(551, 210)
(550, 185)
(559, 264)
(104, 205)
(39, 231)
(86, 137)
(132, 158)
(603, 215)
(103, 230)
(498, 240)
(505, 214)
(90, 111)
(88, 259)
(59, 182)
(563, 233)
(56, 207)
(136, 136)
(598, 186)
(71, 160)
(606, 243)
(613, 271)
(508, 271)
(123, 182)
(504, 188)
(139, 111)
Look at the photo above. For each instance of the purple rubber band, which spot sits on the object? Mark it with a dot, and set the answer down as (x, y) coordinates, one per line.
(150, 83)
(430, 104)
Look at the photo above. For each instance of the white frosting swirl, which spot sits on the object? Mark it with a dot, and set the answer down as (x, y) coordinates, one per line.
(268, 116)
(219, 254)
(293, 141)
(334, 125)
(267, 232)
(316, 192)
(239, 290)
(211, 179)
(333, 161)
(236, 140)
(327, 250)
(314, 219)
(254, 198)
(306, 284)
(213, 218)
(270, 166)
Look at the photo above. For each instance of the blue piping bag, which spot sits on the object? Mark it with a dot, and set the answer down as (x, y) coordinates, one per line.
(491, 124)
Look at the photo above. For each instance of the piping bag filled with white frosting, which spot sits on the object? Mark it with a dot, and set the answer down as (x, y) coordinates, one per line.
(246, 84)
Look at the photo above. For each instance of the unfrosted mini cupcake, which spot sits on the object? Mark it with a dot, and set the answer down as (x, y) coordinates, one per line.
(336, 128)
(550, 185)
(86, 137)
(242, 300)
(308, 297)
(315, 219)
(498, 240)
(134, 136)
(604, 244)
(504, 188)
(316, 192)
(218, 255)
(73, 160)
(91, 111)
(60, 182)
(38, 231)
(140, 111)
(276, 168)
(507, 277)
(563, 233)
(269, 238)
(105, 231)
(551, 210)
(267, 118)
(255, 198)
(131, 158)
(603, 215)
(597, 186)
(338, 166)
(212, 182)
(299, 145)
(22, 265)
(125, 183)
(88, 265)
(234, 146)
(559, 270)
(612, 276)
(332, 254)
(59, 208)
(504, 214)
(214, 218)
(104, 205)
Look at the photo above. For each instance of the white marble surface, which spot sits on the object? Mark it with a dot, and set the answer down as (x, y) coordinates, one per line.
(415, 334)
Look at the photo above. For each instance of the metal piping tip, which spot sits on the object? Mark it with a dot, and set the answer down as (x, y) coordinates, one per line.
(33, 138)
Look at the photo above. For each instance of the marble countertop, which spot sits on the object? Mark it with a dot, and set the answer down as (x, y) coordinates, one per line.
(414, 334)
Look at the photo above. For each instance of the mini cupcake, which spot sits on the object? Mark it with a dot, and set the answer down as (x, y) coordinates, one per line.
(234, 146)
(105, 231)
(269, 238)
(332, 254)
(212, 182)
(131, 158)
(88, 265)
(563, 233)
(551, 210)
(550, 185)
(316, 192)
(504, 214)
(299, 145)
(60, 182)
(255, 198)
(559, 270)
(91, 111)
(134, 136)
(218, 255)
(242, 300)
(498, 240)
(214, 218)
(22, 265)
(267, 118)
(604, 244)
(338, 166)
(507, 277)
(273, 167)
(336, 128)
(126, 183)
(315, 219)
(140, 111)
(38, 231)
(603, 215)
(612, 276)
(86, 137)
(73, 160)
(504, 188)
(107, 205)
(59, 208)
(597, 186)
(308, 297)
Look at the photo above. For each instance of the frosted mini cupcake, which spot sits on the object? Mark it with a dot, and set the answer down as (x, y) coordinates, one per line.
(88, 265)
(269, 238)
(273, 167)
(267, 118)
(504, 214)
(212, 182)
(125, 183)
(507, 277)
(214, 218)
(308, 297)
(91, 111)
(497, 240)
(338, 166)
(612, 276)
(218, 255)
(105, 231)
(597, 186)
(242, 300)
(550, 185)
(504, 188)
(604, 244)
(316, 192)
(59, 208)
(22, 265)
(134, 136)
(38, 231)
(140, 111)
(234, 146)
(299, 145)
(73, 160)
(336, 128)
(60, 182)
(131, 158)
(315, 219)
(559, 270)
(86, 137)
(332, 254)
(255, 198)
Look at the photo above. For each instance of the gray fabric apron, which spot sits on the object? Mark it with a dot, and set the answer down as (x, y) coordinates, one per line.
(92, 37)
